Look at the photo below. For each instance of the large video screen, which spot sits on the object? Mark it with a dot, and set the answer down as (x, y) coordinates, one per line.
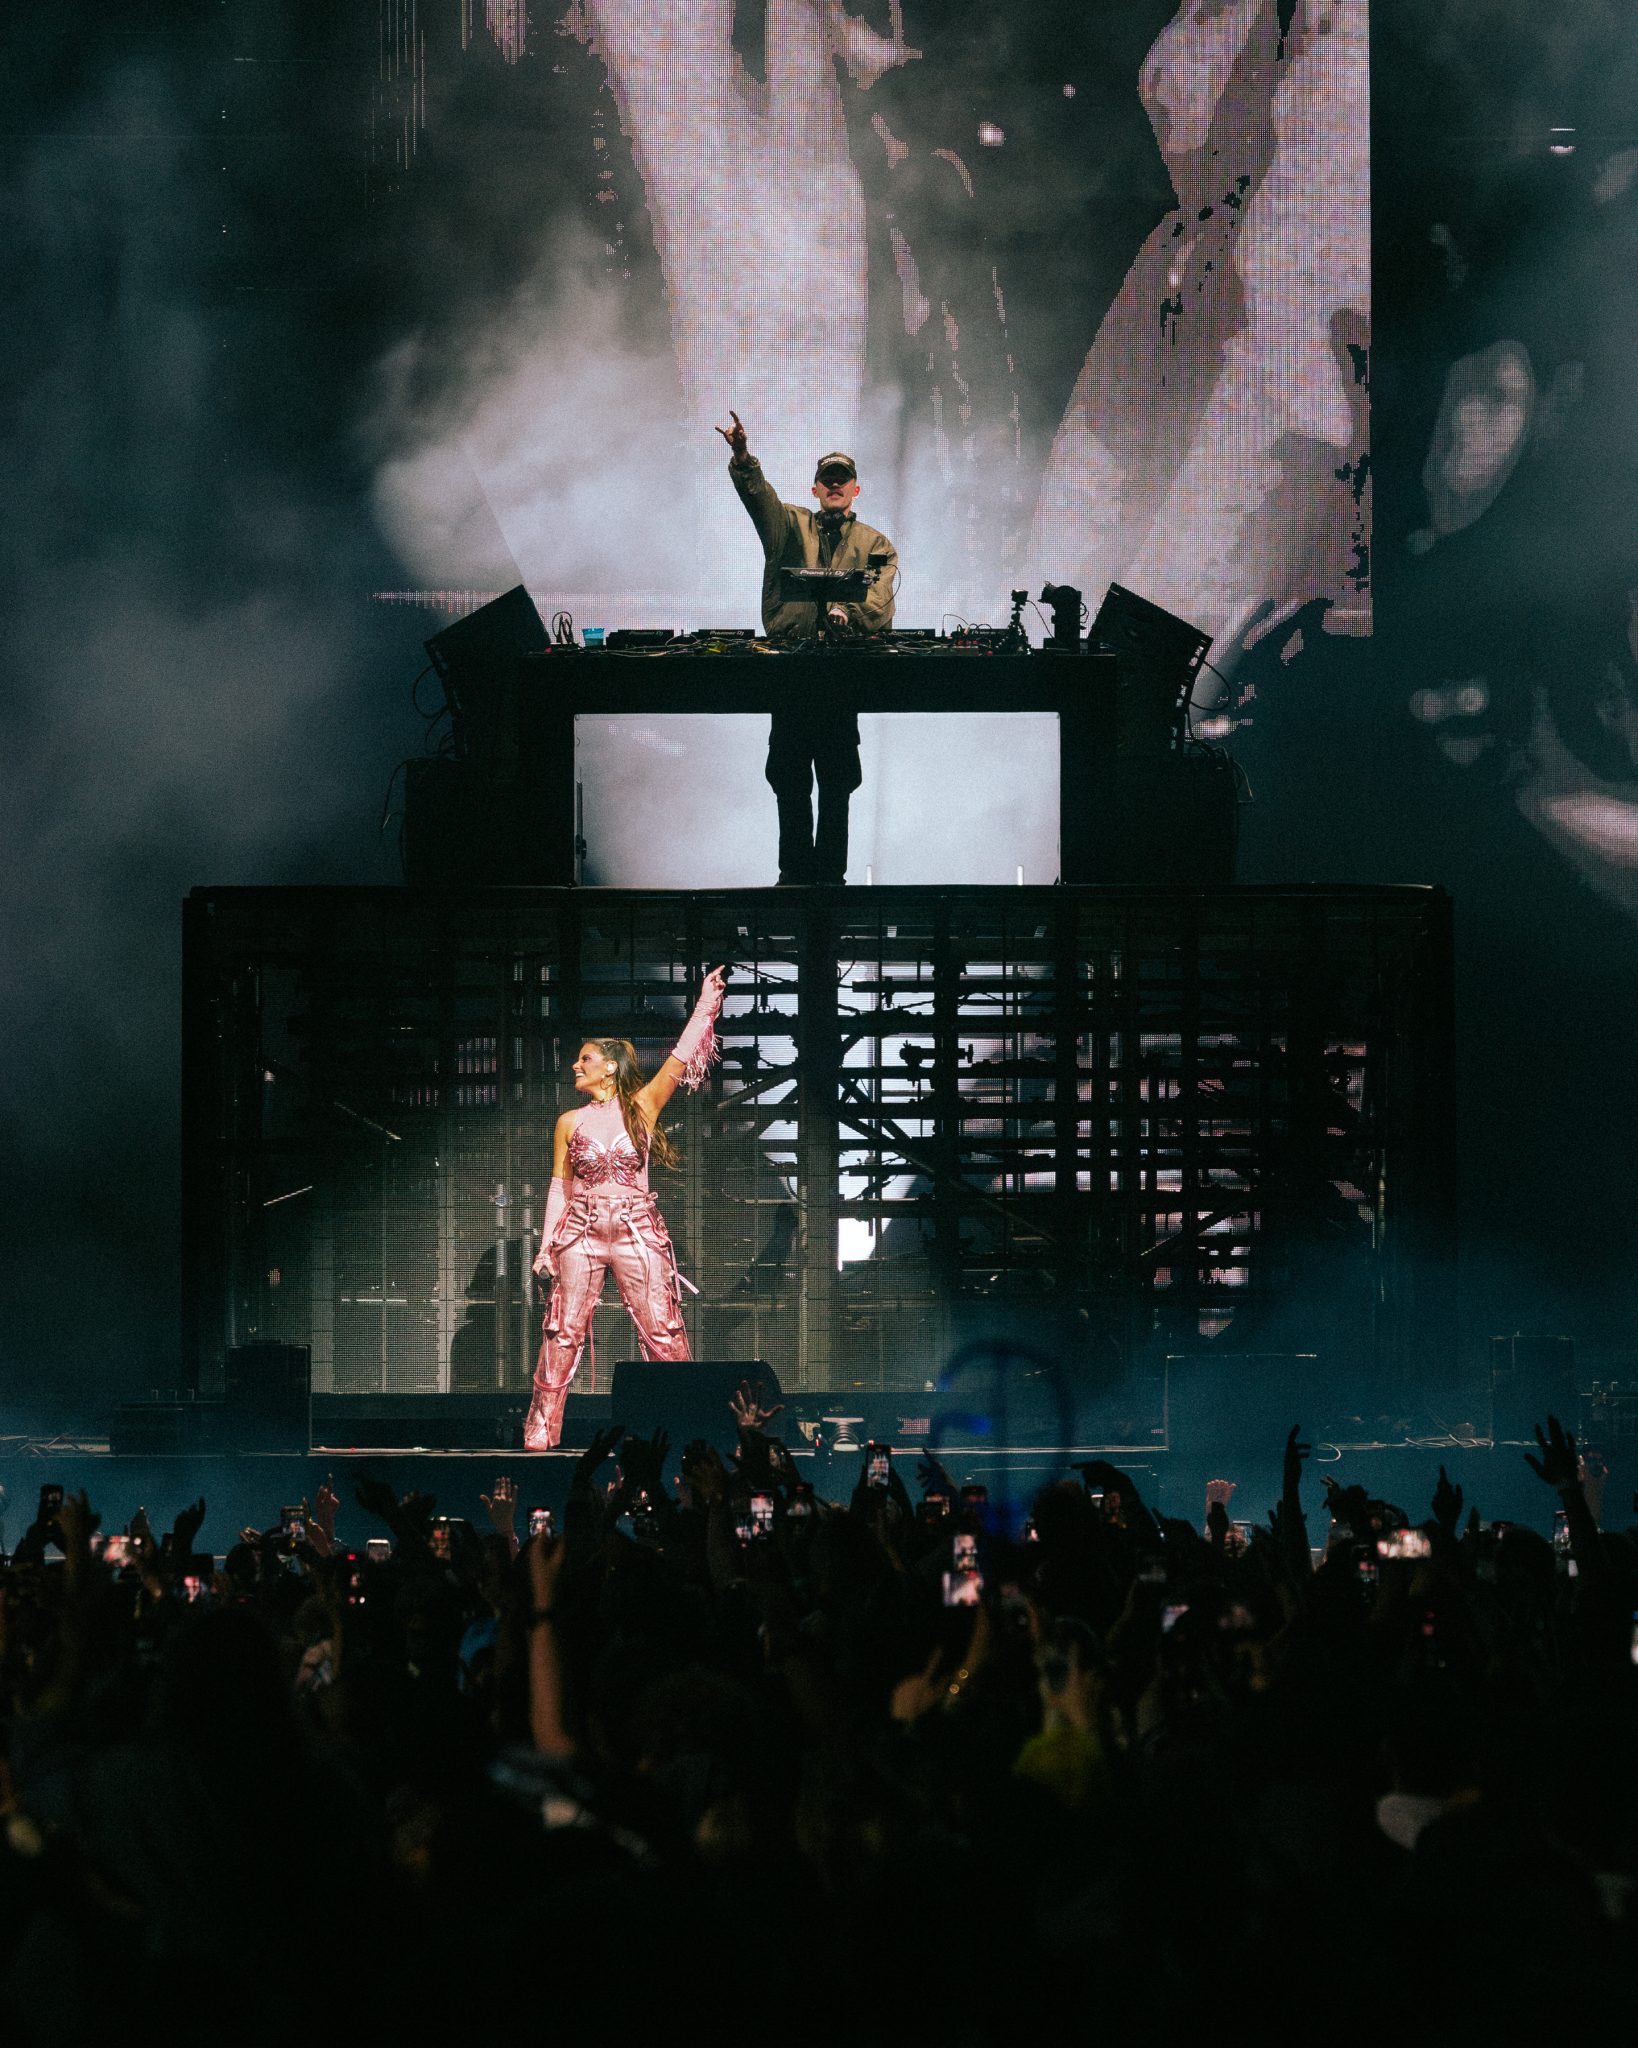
(1084, 289)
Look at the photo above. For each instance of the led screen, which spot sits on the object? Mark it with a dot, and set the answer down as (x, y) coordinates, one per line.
(1085, 291)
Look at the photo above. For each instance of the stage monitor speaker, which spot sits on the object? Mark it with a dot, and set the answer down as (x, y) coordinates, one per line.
(420, 1422)
(1530, 1379)
(466, 826)
(1159, 658)
(690, 1399)
(476, 659)
(166, 1429)
(1172, 821)
(269, 1389)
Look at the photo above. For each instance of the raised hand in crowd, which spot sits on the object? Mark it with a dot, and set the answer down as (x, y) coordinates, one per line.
(412, 1528)
(1447, 1506)
(376, 1498)
(1099, 1476)
(1066, 1669)
(749, 1410)
(942, 1682)
(754, 1461)
(548, 1718)
(1594, 1472)
(321, 1518)
(1350, 1509)
(1558, 1465)
(185, 1531)
(588, 1513)
(1297, 1454)
(76, 1524)
(596, 1454)
(704, 1473)
(408, 1516)
(501, 1507)
(1287, 1522)
(932, 1477)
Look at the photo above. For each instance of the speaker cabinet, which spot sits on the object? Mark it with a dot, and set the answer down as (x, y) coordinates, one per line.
(688, 1398)
(269, 1387)
(1530, 1379)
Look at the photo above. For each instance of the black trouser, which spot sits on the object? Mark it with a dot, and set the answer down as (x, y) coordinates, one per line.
(804, 747)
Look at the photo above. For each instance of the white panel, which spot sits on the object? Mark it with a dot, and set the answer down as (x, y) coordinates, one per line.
(678, 801)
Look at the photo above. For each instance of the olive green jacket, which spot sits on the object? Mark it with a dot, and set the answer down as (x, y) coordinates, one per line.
(790, 540)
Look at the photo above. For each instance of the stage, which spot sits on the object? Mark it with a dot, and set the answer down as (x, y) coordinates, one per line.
(1081, 1148)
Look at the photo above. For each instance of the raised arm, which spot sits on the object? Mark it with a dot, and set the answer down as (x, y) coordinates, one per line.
(548, 1723)
(770, 518)
(690, 1059)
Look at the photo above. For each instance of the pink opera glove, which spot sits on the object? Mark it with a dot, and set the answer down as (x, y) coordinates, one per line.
(697, 1047)
(557, 1200)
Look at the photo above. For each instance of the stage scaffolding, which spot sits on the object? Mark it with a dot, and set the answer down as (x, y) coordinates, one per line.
(1105, 1125)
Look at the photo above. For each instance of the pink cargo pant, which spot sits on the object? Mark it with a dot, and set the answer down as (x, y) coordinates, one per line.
(607, 1227)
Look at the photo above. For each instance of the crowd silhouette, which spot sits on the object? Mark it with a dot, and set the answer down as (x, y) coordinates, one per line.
(730, 1754)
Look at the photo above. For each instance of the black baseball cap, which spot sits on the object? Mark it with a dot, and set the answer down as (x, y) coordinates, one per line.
(835, 460)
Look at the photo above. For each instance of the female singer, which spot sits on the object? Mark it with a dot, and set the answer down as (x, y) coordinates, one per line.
(600, 1212)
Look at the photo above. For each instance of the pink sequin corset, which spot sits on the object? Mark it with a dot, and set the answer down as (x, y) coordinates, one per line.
(601, 1152)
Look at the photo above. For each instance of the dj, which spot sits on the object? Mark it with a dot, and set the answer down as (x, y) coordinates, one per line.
(815, 740)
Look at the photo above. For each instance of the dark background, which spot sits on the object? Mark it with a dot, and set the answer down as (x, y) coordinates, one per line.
(208, 251)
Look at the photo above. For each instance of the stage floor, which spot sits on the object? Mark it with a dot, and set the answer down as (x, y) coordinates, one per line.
(248, 1489)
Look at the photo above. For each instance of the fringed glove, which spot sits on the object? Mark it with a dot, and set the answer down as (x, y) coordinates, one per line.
(697, 1047)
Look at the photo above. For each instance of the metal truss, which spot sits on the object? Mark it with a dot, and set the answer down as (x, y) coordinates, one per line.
(1097, 1124)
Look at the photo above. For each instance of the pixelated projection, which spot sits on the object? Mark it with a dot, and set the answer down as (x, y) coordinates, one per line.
(860, 231)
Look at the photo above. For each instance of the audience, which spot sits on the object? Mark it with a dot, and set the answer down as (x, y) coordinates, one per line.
(736, 1755)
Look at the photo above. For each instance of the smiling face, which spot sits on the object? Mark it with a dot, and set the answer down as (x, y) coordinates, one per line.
(594, 1072)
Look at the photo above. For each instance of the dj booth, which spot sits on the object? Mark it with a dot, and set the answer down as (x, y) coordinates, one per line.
(504, 808)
